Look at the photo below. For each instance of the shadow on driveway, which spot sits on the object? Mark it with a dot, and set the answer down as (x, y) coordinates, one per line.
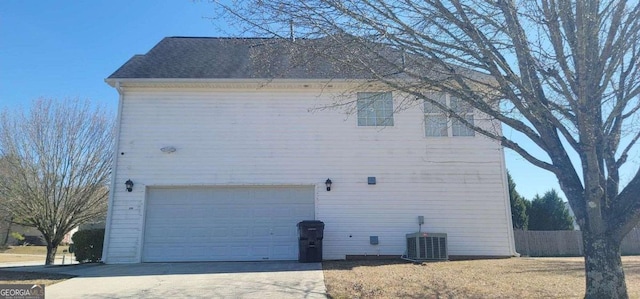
(110, 270)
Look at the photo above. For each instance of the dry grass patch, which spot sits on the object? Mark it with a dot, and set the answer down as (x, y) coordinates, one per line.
(29, 254)
(39, 250)
(14, 254)
(13, 277)
(505, 278)
(12, 258)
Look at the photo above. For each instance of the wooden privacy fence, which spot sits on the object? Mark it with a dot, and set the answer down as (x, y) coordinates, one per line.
(565, 243)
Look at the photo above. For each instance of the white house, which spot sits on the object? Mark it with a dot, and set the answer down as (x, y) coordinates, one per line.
(228, 147)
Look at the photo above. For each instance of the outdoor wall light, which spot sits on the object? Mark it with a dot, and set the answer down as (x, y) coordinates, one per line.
(328, 184)
(168, 149)
(129, 185)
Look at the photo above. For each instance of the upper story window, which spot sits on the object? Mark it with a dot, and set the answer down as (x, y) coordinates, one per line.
(438, 124)
(375, 109)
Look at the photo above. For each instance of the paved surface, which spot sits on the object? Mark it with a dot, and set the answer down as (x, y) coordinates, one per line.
(187, 280)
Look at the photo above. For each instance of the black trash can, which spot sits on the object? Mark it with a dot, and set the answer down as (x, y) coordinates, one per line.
(310, 234)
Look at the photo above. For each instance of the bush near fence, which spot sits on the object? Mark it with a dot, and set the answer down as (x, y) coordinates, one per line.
(565, 243)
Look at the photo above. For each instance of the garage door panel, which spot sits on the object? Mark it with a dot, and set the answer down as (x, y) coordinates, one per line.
(260, 210)
(217, 252)
(199, 233)
(283, 231)
(240, 251)
(240, 231)
(200, 212)
(220, 232)
(261, 230)
(260, 251)
(225, 224)
(283, 251)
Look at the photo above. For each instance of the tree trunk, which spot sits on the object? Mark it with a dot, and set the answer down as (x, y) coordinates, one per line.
(51, 252)
(604, 273)
(6, 235)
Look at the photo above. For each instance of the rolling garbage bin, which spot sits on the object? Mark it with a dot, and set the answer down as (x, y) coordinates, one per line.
(310, 233)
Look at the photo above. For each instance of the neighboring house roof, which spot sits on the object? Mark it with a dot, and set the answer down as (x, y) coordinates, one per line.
(269, 58)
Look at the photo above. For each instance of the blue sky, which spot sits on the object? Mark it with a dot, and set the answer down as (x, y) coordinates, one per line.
(65, 49)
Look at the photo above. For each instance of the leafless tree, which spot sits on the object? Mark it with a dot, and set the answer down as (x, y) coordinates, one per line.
(56, 162)
(5, 222)
(564, 74)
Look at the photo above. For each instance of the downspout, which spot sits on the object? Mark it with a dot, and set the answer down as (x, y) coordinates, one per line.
(505, 191)
(112, 187)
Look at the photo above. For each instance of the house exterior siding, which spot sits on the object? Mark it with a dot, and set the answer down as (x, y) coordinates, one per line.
(273, 136)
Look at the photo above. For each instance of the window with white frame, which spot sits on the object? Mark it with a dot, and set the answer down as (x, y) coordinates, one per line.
(437, 124)
(375, 109)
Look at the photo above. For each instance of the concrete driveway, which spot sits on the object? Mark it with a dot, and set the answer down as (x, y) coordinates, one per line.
(188, 280)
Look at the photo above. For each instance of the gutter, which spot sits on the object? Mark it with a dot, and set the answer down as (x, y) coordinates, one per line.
(258, 82)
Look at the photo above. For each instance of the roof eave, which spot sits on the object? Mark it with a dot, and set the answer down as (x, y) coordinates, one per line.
(227, 82)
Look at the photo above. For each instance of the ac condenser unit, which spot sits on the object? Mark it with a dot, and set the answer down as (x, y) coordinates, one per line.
(427, 246)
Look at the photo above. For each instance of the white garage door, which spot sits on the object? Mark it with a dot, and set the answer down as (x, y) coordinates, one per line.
(225, 223)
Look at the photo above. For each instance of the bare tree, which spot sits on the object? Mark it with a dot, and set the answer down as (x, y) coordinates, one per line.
(564, 74)
(56, 162)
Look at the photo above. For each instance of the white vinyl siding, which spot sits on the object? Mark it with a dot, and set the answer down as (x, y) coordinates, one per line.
(375, 109)
(270, 137)
(437, 124)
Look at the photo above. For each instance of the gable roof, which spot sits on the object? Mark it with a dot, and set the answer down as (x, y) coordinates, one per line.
(217, 58)
(335, 57)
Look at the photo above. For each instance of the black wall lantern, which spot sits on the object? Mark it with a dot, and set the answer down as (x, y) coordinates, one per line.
(129, 185)
(328, 183)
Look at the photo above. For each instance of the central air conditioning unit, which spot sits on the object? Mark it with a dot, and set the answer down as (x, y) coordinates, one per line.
(423, 246)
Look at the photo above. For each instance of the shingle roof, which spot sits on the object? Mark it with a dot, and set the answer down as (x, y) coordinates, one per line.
(201, 57)
(336, 57)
